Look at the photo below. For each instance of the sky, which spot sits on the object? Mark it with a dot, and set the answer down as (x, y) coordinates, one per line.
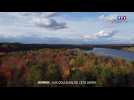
(67, 27)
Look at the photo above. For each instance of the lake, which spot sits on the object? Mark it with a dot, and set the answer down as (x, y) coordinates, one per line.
(113, 53)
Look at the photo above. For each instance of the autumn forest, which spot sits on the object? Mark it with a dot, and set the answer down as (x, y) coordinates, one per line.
(26, 67)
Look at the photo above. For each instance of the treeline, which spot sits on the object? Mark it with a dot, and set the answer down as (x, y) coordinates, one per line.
(10, 47)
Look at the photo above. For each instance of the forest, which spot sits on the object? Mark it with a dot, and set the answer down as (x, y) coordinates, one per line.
(26, 67)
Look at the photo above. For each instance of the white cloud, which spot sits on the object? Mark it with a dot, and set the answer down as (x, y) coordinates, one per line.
(49, 23)
(89, 37)
(100, 34)
(103, 33)
(109, 18)
(45, 20)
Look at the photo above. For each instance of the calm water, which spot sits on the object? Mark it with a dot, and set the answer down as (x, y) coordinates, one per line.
(114, 53)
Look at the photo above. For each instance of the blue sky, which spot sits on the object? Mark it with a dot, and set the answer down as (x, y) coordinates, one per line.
(66, 27)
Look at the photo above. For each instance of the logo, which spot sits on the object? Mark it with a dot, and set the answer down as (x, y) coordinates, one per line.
(121, 19)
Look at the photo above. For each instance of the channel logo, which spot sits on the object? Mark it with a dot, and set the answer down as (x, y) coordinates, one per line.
(121, 19)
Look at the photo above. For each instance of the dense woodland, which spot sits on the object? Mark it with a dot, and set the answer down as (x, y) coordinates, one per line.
(26, 68)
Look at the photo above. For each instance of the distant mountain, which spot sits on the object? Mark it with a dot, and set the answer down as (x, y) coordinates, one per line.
(58, 40)
(8, 47)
